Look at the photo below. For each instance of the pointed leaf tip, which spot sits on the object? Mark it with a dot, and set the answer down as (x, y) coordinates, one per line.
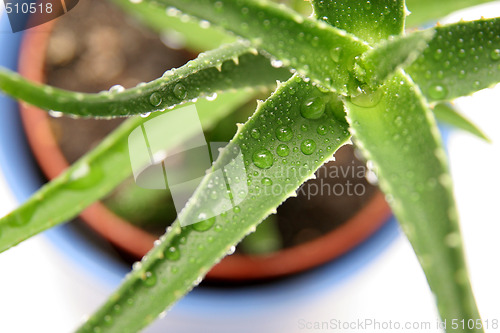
(375, 65)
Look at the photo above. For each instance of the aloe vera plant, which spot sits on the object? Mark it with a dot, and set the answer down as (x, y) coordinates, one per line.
(349, 71)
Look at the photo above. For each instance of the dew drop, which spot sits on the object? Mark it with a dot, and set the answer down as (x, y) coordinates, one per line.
(367, 100)
(495, 54)
(137, 266)
(452, 239)
(282, 150)
(117, 308)
(149, 279)
(83, 178)
(263, 159)
(266, 181)
(116, 89)
(284, 133)
(276, 63)
(155, 99)
(461, 277)
(308, 146)
(231, 250)
(211, 97)
(438, 54)
(174, 40)
(437, 91)
(313, 108)
(321, 130)
(145, 115)
(236, 209)
(55, 114)
(205, 224)
(336, 53)
(180, 91)
(214, 195)
(204, 24)
(23, 216)
(255, 133)
(172, 253)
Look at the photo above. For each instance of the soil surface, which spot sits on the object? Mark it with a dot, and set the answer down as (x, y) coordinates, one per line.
(95, 46)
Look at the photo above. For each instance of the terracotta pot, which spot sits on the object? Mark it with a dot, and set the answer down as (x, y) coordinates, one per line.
(137, 242)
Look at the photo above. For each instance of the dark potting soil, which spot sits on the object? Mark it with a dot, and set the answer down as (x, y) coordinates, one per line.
(95, 46)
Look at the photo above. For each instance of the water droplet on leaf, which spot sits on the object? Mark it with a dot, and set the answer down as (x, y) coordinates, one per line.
(282, 150)
(336, 53)
(367, 100)
(495, 54)
(204, 225)
(180, 91)
(266, 181)
(149, 279)
(255, 133)
(313, 108)
(263, 159)
(438, 91)
(155, 99)
(116, 89)
(284, 133)
(321, 130)
(308, 146)
(172, 253)
(83, 177)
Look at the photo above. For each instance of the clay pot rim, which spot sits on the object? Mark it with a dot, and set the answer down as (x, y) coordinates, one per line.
(137, 242)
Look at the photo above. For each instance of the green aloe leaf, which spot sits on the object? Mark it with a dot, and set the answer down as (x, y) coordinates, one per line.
(375, 20)
(396, 130)
(232, 66)
(446, 113)
(315, 50)
(382, 25)
(378, 64)
(185, 33)
(461, 58)
(291, 135)
(428, 11)
(95, 175)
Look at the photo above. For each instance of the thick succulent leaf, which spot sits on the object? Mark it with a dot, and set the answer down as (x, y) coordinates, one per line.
(446, 113)
(396, 130)
(461, 58)
(370, 20)
(181, 32)
(428, 11)
(232, 66)
(379, 63)
(95, 175)
(291, 135)
(316, 50)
